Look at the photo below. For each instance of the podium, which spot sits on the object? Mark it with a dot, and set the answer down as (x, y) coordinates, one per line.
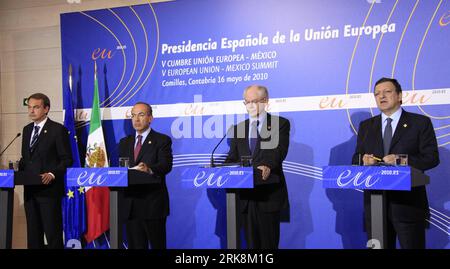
(116, 178)
(378, 179)
(232, 178)
(9, 179)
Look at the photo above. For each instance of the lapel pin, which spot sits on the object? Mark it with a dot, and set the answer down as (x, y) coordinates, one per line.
(405, 125)
(45, 131)
(150, 142)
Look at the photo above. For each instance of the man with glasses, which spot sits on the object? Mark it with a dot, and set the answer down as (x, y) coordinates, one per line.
(45, 151)
(145, 208)
(265, 138)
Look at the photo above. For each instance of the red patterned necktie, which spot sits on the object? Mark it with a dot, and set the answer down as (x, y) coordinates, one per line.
(138, 147)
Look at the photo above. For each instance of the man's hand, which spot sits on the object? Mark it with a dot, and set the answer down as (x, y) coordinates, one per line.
(265, 171)
(390, 159)
(368, 159)
(47, 178)
(144, 168)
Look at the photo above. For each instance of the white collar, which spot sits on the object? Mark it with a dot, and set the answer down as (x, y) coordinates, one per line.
(144, 134)
(261, 117)
(395, 116)
(41, 124)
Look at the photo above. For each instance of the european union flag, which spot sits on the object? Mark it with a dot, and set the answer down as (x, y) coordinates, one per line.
(74, 208)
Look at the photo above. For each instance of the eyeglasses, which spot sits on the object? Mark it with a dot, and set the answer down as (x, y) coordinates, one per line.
(139, 115)
(254, 101)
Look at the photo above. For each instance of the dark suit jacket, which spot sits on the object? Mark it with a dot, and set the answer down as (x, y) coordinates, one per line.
(414, 135)
(271, 150)
(147, 201)
(52, 153)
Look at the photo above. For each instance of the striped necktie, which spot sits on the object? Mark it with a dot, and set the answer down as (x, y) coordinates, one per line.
(35, 136)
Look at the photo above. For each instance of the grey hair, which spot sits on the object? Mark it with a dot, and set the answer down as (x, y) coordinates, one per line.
(261, 89)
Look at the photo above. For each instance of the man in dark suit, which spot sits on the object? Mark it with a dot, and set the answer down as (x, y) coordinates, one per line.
(145, 208)
(265, 138)
(397, 131)
(45, 151)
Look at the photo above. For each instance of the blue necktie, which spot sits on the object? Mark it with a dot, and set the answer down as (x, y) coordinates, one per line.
(387, 137)
(35, 136)
(254, 135)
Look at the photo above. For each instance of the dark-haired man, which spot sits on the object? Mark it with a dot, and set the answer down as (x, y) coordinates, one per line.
(145, 208)
(45, 151)
(397, 131)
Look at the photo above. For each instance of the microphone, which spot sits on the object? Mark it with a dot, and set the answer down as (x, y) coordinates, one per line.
(214, 150)
(363, 142)
(357, 158)
(17, 135)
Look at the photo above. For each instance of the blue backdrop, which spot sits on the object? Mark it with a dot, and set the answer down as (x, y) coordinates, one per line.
(319, 60)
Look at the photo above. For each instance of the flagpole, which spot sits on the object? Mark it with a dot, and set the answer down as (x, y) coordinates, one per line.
(95, 69)
(70, 77)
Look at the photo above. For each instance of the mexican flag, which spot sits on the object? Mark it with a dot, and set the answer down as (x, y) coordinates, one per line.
(97, 198)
